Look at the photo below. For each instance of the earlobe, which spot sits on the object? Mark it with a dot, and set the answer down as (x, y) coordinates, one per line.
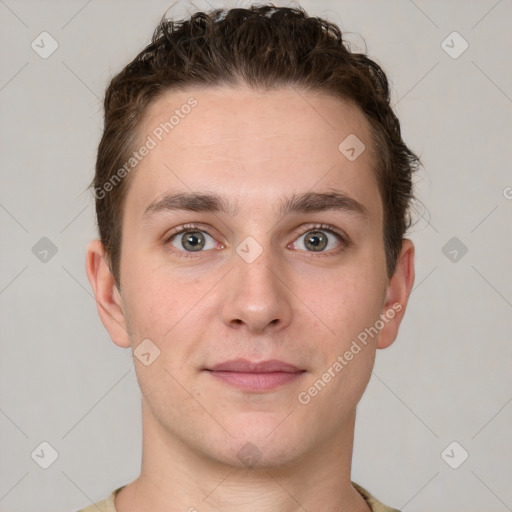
(108, 298)
(399, 289)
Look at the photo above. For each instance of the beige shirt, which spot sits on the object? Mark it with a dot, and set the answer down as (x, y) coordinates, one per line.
(107, 505)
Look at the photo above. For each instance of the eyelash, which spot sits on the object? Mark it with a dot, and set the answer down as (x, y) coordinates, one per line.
(343, 239)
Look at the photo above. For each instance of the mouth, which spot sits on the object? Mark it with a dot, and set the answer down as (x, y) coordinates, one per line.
(255, 376)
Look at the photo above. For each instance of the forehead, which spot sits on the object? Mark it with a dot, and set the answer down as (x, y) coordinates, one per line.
(223, 115)
(253, 144)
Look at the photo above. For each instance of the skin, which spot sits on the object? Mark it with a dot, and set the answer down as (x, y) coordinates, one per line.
(301, 306)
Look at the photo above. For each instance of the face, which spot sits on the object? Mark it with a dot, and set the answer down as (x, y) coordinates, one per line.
(248, 234)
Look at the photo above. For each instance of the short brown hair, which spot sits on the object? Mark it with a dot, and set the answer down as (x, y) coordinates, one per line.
(266, 47)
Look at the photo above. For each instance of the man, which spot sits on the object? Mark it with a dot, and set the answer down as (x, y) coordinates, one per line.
(252, 192)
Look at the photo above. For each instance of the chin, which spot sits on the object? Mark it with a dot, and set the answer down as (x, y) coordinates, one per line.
(259, 449)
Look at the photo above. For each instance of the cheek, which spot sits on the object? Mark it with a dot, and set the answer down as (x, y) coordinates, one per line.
(168, 308)
(344, 303)
(346, 353)
(152, 301)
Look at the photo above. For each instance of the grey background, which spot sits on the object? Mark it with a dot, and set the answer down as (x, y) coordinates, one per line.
(447, 378)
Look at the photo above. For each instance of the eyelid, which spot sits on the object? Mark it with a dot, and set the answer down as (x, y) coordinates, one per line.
(184, 228)
(323, 227)
(177, 231)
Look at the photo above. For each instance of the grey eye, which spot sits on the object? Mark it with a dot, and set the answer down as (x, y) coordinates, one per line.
(192, 241)
(315, 240)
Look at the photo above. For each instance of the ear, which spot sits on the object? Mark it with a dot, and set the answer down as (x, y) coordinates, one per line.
(399, 289)
(108, 299)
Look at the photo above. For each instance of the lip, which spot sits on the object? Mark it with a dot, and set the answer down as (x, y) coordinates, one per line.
(252, 376)
(245, 366)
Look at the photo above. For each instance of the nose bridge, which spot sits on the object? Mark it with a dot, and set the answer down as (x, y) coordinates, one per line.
(255, 294)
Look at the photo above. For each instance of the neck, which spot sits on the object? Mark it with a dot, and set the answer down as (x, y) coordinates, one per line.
(175, 477)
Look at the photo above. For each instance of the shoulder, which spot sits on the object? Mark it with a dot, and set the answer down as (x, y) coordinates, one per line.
(105, 505)
(374, 504)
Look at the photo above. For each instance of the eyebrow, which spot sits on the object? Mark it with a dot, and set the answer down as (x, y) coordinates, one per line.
(308, 202)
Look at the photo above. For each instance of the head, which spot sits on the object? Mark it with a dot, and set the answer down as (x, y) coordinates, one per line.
(274, 148)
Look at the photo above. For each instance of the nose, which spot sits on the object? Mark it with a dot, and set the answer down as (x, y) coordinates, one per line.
(257, 297)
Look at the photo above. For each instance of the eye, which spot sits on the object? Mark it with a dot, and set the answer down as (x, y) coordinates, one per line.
(318, 240)
(192, 241)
